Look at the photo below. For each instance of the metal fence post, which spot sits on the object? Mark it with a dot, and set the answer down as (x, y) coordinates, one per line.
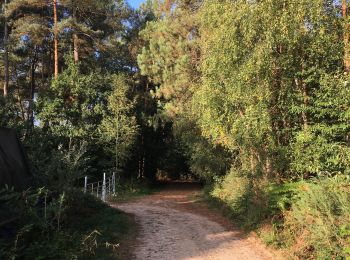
(113, 182)
(104, 187)
(85, 184)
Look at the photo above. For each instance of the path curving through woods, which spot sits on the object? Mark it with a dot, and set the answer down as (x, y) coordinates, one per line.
(174, 225)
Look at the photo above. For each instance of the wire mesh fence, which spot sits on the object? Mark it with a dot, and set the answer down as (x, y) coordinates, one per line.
(101, 189)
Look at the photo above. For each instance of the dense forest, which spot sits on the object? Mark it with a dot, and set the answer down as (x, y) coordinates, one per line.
(250, 97)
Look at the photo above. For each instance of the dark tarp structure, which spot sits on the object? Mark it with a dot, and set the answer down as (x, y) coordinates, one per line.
(14, 170)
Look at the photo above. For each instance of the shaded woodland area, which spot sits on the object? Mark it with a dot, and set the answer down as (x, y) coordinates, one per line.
(250, 97)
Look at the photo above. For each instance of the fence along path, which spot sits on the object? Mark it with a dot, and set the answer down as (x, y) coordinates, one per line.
(101, 188)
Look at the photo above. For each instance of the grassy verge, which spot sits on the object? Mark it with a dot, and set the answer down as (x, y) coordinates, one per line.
(80, 227)
(105, 231)
(130, 191)
(308, 219)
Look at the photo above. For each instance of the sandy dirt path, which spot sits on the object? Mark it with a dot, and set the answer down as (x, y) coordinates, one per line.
(174, 225)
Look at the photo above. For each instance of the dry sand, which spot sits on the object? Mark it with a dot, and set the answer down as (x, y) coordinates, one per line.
(174, 225)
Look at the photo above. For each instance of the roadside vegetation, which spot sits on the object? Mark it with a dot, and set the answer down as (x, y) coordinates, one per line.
(70, 225)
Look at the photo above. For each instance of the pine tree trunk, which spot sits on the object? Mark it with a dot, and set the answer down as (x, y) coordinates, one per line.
(55, 38)
(6, 56)
(346, 37)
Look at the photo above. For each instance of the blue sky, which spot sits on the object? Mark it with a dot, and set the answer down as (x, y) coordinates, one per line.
(135, 3)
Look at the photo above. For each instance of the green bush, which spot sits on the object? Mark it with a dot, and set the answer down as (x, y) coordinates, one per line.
(245, 197)
(318, 222)
(310, 218)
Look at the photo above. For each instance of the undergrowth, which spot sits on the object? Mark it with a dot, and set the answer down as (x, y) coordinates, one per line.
(318, 222)
(309, 219)
(69, 225)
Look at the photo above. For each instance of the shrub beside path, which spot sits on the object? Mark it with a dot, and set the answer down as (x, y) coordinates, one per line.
(173, 224)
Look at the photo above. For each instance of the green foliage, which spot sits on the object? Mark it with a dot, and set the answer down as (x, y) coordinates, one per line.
(60, 226)
(255, 76)
(39, 219)
(169, 57)
(9, 114)
(248, 202)
(94, 111)
(281, 197)
(233, 190)
(119, 123)
(323, 147)
(74, 104)
(60, 167)
(310, 216)
(206, 160)
(318, 219)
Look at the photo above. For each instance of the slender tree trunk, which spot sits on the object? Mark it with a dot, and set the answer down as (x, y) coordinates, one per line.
(142, 163)
(346, 58)
(75, 39)
(6, 55)
(306, 104)
(30, 111)
(302, 87)
(76, 47)
(252, 161)
(20, 103)
(32, 90)
(346, 37)
(268, 166)
(116, 154)
(55, 38)
(139, 176)
(116, 146)
(301, 84)
(143, 167)
(143, 141)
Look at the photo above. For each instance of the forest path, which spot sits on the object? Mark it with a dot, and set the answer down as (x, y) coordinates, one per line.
(175, 225)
